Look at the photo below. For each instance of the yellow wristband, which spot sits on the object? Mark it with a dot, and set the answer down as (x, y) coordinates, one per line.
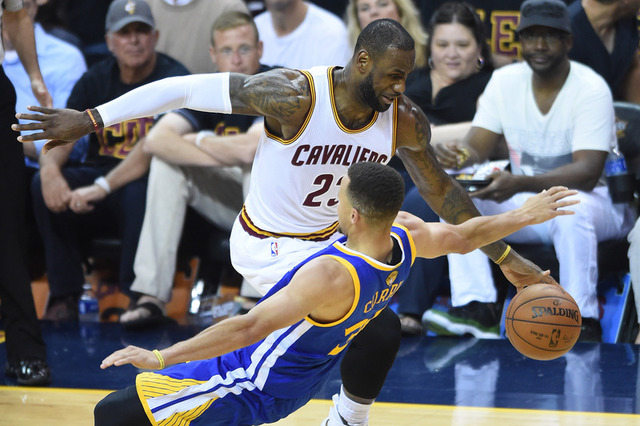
(160, 358)
(506, 252)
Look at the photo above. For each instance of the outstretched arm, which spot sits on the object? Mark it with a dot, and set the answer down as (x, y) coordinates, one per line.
(435, 239)
(446, 197)
(280, 95)
(324, 301)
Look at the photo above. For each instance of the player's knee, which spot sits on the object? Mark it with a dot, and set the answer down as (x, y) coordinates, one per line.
(101, 412)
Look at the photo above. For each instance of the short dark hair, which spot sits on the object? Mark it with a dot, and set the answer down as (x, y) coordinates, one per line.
(382, 35)
(232, 20)
(375, 190)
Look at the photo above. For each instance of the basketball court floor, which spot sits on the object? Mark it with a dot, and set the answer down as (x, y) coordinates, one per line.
(434, 381)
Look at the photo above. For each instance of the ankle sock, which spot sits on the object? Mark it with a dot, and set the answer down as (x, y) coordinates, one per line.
(351, 411)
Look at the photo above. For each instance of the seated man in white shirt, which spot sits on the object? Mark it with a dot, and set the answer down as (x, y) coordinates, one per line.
(558, 133)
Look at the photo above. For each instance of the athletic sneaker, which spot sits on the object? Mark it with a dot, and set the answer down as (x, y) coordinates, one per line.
(335, 419)
(482, 320)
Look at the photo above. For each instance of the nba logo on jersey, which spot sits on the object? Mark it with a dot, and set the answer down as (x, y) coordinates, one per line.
(274, 249)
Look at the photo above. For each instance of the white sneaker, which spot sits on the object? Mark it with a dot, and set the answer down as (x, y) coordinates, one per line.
(335, 419)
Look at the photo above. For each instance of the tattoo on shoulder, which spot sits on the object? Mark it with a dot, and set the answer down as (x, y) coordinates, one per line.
(278, 94)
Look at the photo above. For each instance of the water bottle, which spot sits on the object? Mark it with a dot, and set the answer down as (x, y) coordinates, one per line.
(88, 309)
(619, 181)
(615, 164)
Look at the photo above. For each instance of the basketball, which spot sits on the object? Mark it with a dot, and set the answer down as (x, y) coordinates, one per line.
(543, 321)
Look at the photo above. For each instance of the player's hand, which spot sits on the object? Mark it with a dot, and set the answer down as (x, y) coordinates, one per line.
(547, 204)
(138, 357)
(522, 272)
(83, 199)
(55, 190)
(60, 125)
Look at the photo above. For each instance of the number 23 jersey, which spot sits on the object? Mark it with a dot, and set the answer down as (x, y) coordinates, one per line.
(295, 182)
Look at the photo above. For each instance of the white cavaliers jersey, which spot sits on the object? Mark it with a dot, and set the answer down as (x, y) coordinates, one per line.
(295, 182)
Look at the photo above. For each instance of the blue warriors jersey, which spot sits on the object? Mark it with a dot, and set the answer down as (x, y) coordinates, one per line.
(272, 378)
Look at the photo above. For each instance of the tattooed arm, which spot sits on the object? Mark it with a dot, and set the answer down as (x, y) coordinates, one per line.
(281, 95)
(445, 196)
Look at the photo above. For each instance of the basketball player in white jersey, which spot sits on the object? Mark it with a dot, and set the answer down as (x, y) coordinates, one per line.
(317, 123)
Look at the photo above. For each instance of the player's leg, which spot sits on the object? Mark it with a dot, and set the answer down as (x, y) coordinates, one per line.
(364, 369)
(120, 408)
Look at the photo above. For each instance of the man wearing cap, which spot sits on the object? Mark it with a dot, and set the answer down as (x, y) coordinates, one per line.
(131, 37)
(558, 121)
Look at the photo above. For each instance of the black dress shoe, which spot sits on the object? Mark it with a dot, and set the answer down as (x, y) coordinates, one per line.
(29, 372)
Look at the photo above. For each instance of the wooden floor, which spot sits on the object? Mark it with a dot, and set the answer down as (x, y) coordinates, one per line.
(74, 407)
(434, 382)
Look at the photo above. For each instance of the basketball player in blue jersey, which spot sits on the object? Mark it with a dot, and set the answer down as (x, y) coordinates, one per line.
(260, 367)
(317, 123)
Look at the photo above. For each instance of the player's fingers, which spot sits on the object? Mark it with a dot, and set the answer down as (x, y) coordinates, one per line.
(27, 126)
(563, 194)
(556, 189)
(41, 109)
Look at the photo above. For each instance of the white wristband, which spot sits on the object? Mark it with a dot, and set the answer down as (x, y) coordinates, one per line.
(201, 135)
(102, 183)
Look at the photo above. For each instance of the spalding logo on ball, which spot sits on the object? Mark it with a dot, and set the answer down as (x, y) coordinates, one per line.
(543, 321)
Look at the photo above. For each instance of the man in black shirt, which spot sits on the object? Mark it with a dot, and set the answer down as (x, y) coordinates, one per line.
(205, 170)
(64, 224)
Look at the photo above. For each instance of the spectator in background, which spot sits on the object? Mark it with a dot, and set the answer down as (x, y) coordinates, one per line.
(185, 29)
(558, 133)
(447, 91)
(61, 65)
(297, 34)
(606, 39)
(26, 350)
(204, 170)
(131, 37)
(85, 19)
(360, 13)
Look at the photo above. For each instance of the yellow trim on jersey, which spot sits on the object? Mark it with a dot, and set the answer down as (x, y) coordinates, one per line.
(143, 399)
(335, 110)
(371, 261)
(356, 287)
(411, 242)
(312, 95)
(322, 234)
(150, 385)
(184, 418)
(395, 127)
